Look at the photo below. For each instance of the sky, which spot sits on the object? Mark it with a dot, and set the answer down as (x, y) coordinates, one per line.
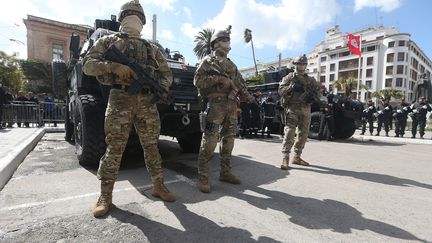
(288, 27)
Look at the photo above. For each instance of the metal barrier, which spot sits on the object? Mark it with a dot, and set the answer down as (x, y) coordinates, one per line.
(31, 113)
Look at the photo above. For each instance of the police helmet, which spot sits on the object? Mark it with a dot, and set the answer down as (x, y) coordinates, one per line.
(132, 8)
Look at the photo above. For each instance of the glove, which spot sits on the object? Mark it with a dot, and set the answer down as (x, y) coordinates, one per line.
(122, 71)
(424, 107)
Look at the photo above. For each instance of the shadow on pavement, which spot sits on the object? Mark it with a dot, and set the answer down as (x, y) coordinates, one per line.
(366, 176)
(196, 228)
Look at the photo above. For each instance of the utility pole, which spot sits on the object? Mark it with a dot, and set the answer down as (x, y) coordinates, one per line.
(280, 61)
(154, 20)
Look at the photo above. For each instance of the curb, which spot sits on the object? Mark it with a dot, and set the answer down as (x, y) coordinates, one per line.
(366, 138)
(14, 158)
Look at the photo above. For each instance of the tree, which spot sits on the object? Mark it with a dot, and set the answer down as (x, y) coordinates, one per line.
(203, 43)
(387, 94)
(347, 85)
(255, 80)
(39, 75)
(247, 35)
(10, 72)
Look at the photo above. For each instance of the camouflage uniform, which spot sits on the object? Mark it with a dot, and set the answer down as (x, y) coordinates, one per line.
(297, 111)
(125, 110)
(221, 122)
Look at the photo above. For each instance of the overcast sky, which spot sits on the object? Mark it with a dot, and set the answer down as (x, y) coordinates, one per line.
(289, 27)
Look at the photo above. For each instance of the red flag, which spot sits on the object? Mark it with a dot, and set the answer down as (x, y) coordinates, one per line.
(354, 44)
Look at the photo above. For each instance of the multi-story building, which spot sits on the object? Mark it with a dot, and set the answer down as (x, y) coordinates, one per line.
(264, 67)
(390, 59)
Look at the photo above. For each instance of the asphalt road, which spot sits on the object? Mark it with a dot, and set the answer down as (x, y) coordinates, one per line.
(354, 192)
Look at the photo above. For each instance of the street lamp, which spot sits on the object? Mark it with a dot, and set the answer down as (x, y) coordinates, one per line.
(17, 41)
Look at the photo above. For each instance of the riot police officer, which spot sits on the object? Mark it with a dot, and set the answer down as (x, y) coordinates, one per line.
(368, 117)
(419, 111)
(269, 110)
(384, 117)
(298, 91)
(401, 115)
(255, 112)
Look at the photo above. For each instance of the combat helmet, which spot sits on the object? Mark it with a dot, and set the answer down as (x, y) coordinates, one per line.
(300, 60)
(220, 34)
(132, 8)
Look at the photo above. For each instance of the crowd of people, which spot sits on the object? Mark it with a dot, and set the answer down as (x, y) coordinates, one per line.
(26, 109)
(385, 114)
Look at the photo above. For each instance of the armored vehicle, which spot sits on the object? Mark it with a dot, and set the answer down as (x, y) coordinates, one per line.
(335, 116)
(87, 101)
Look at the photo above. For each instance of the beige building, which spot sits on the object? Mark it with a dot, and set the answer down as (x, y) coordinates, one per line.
(49, 40)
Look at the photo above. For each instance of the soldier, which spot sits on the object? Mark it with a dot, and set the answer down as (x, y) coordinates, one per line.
(298, 91)
(384, 117)
(418, 115)
(401, 116)
(125, 110)
(368, 117)
(269, 109)
(218, 79)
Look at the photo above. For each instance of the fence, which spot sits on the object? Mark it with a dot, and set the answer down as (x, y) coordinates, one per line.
(30, 113)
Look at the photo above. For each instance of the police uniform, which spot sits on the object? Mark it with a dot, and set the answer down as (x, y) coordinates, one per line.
(419, 112)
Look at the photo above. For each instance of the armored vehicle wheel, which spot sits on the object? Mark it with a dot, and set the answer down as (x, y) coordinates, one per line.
(314, 129)
(191, 142)
(89, 130)
(344, 129)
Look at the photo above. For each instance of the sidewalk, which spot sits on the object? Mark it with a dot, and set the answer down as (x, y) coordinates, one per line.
(391, 138)
(15, 144)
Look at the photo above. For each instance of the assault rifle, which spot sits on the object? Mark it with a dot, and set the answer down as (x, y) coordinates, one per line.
(113, 54)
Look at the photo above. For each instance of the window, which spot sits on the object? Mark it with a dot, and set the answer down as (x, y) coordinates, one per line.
(391, 44)
(57, 52)
(400, 69)
(322, 79)
(399, 82)
(369, 72)
(332, 77)
(369, 61)
(323, 69)
(401, 56)
(389, 70)
(323, 59)
(344, 54)
(414, 63)
(401, 43)
(332, 56)
(388, 82)
(369, 84)
(390, 57)
(332, 67)
(371, 48)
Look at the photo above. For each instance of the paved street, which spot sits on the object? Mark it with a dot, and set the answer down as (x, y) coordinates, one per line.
(355, 191)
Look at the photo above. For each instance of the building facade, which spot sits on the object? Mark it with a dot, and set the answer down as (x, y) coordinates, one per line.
(390, 59)
(264, 67)
(49, 40)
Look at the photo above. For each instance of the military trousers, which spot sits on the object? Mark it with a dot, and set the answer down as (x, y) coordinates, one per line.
(369, 122)
(421, 123)
(400, 124)
(123, 111)
(221, 126)
(296, 117)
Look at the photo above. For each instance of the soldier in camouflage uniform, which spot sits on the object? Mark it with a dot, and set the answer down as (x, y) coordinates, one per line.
(298, 91)
(218, 79)
(125, 110)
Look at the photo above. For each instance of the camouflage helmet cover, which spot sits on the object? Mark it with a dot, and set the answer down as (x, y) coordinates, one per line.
(220, 34)
(300, 60)
(132, 8)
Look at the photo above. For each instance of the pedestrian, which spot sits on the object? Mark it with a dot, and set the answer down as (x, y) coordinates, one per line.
(384, 117)
(368, 117)
(298, 92)
(125, 110)
(255, 113)
(269, 110)
(218, 79)
(418, 115)
(49, 109)
(401, 115)
(22, 111)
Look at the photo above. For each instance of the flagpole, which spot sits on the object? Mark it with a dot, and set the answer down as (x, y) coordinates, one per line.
(358, 74)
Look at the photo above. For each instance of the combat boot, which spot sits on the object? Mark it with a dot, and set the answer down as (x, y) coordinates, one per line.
(299, 161)
(104, 202)
(162, 192)
(228, 177)
(203, 185)
(284, 165)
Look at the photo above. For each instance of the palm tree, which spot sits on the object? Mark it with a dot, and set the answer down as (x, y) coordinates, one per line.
(202, 40)
(247, 35)
(347, 85)
(387, 94)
